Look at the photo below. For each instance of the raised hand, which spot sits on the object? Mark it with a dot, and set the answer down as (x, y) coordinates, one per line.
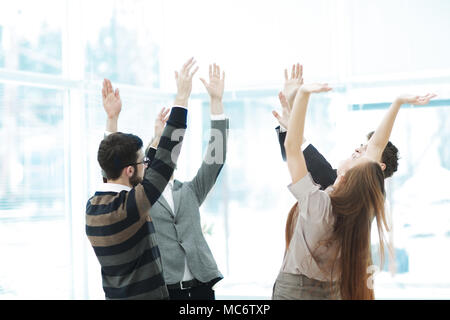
(160, 121)
(292, 84)
(416, 100)
(284, 118)
(184, 82)
(216, 84)
(111, 100)
(380, 138)
(315, 88)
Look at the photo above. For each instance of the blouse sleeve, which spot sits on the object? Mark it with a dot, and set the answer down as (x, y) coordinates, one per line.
(314, 204)
(304, 187)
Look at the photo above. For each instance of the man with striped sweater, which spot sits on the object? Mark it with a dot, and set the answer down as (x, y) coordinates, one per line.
(118, 223)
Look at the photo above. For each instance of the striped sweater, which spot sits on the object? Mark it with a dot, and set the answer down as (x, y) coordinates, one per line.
(121, 231)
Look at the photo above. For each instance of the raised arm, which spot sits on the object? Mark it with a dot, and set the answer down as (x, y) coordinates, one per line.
(294, 138)
(161, 168)
(112, 104)
(215, 88)
(380, 138)
(290, 88)
(184, 88)
(215, 155)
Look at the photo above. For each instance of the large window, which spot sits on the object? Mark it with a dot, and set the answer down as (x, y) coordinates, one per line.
(34, 236)
(54, 55)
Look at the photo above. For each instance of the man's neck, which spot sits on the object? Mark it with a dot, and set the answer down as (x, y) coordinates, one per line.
(121, 181)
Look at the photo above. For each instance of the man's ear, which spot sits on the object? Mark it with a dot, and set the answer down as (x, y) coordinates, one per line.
(129, 171)
(383, 166)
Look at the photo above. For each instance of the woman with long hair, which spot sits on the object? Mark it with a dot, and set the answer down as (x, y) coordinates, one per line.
(328, 252)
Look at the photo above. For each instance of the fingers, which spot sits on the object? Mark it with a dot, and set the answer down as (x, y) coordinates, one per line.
(161, 112)
(425, 99)
(104, 89)
(318, 87)
(430, 96)
(276, 115)
(187, 64)
(166, 114)
(194, 72)
(163, 115)
(296, 72)
(326, 88)
(214, 72)
(204, 82)
(301, 74)
(164, 111)
(109, 87)
(185, 70)
(283, 100)
(188, 68)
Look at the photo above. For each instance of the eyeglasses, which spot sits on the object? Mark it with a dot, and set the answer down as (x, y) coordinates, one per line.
(145, 161)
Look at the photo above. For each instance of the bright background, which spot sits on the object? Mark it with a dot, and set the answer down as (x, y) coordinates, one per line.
(55, 54)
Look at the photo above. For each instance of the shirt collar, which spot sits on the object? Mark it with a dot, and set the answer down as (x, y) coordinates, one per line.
(169, 186)
(112, 187)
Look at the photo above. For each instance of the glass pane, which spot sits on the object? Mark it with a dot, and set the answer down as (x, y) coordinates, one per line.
(34, 237)
(30, 34)
(386, 41)
(122, 41)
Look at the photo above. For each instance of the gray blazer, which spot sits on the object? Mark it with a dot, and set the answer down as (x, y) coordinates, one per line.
(180, 235)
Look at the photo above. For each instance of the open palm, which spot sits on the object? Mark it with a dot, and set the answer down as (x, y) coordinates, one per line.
(292, 84)
(160, 121)
(315, 87)
(111, 99)
(216, 84)
(416, 100)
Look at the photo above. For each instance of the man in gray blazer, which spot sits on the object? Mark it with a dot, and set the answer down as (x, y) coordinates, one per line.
(189, 268)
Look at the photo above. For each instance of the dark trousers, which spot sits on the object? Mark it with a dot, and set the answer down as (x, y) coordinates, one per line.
(202, 292)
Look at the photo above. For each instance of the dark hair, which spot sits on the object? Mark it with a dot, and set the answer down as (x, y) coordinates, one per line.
(117, 151)
(389, 157)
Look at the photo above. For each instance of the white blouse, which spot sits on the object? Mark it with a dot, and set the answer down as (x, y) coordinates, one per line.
(314, 224)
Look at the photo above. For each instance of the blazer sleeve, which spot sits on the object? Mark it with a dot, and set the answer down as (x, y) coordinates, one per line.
(213, 161)
(281, 138)
(321, 170)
